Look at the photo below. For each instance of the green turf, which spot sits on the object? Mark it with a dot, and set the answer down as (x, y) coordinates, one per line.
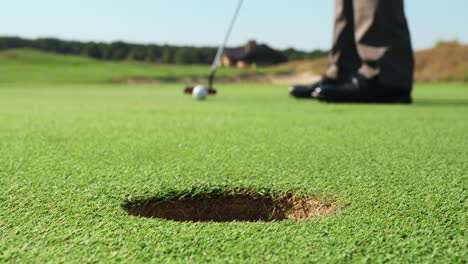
(71, 155)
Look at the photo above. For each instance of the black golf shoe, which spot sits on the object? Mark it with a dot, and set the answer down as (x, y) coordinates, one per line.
(361, 90)
(305, 91)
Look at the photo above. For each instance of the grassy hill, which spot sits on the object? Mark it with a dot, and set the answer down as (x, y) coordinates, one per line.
(27, 65)
(442, 63)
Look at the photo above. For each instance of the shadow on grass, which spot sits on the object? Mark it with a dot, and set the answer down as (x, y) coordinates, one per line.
(441, 102)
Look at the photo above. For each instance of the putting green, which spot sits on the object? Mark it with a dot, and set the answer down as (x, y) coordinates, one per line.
(72, 155)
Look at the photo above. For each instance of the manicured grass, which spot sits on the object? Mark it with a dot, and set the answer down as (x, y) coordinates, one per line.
(72, 154)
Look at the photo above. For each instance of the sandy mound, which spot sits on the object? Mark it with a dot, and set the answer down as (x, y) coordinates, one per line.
(444, 63)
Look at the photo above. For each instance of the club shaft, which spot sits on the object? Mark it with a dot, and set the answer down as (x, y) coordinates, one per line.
(226, 38)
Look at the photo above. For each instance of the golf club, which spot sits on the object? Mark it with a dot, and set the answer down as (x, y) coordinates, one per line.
(214, 66)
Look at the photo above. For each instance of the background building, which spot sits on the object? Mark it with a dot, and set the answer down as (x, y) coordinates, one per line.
(251, 53)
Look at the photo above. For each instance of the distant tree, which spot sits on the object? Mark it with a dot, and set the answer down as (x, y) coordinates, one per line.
(153, 53)
(317, 54)
(442, 42)
(75, 47)
(93, 50)
(167, 55)
(3, 44)
(52, 45)
(117, 51)
(137, 53)
(184, 55)
(15, 42)
(293, 54)
(204, 55)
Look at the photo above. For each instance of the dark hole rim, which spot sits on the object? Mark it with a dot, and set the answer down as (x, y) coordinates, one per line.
(231, 207)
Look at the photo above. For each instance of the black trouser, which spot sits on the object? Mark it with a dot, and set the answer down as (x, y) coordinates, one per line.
(372, 37)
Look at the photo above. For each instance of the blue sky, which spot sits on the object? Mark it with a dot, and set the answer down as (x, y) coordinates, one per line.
(304, 24)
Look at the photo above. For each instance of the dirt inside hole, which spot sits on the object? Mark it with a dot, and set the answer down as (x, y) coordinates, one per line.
(231, 207)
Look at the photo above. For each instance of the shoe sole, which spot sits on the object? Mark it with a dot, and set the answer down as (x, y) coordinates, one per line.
(296, 96)
(387, 100)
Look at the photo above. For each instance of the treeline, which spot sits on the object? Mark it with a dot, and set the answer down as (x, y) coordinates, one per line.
(116, 51)
(294, 54)
(119, 50)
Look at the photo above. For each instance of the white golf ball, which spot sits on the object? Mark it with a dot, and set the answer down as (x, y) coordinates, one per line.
(200, 92)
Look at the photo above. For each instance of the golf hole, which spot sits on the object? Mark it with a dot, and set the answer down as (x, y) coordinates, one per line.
(230, 207)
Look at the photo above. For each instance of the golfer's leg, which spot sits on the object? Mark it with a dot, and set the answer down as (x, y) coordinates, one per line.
(344, 56)
(383, 42)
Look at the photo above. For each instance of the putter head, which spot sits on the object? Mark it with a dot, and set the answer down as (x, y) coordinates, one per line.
(189, 89)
